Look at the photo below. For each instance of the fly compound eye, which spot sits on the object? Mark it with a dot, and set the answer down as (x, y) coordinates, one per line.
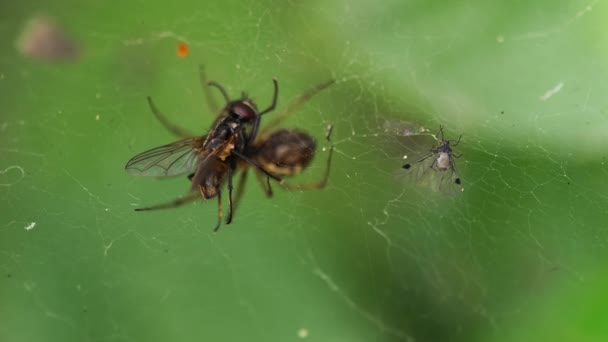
(243, 110)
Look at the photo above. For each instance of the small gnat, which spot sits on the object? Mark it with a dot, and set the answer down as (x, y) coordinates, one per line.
(30, 226)
(438, 167)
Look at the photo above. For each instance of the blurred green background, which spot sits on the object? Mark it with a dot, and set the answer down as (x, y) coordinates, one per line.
(520, 255)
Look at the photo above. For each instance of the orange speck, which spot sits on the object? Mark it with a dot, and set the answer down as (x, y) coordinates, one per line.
(182, 49)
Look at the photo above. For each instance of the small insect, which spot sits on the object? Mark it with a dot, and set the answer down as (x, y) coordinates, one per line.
(229, 146)
(439, 163)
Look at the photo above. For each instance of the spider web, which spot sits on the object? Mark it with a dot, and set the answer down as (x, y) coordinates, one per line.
(373, 256)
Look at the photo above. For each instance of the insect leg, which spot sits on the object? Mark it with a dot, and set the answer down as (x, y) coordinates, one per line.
(240, 188)
(207, 90)
(434, 162)
(441, 132)
(408, 165)
(219, 210)
(230, 187)
(268, 187)
(258, 166)
(176, 130)
(316, 185)
(264, 184)
(256, 124)
(453, 172)
(275, 97)
(457, 141)
(296, 103)
(452, 164)
(191, 196)
(221, 89)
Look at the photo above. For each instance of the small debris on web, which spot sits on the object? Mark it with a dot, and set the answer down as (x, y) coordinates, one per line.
(182, 50)
(404, 128)
(552, 91)
(302, 333)
(43, 39)
(30, 226)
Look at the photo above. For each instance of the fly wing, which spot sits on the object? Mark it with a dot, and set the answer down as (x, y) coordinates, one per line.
(169, 160)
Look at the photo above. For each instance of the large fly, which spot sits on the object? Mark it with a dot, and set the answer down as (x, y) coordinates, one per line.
(232, 144)
(210, 158)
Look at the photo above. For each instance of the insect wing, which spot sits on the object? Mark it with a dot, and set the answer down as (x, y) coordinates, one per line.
(169, 160)
(425, 172)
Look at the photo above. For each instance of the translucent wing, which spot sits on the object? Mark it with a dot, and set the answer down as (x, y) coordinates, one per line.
(169, 160)
(426, 172)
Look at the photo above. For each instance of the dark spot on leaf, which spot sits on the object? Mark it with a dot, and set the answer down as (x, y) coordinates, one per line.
(407, 166)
